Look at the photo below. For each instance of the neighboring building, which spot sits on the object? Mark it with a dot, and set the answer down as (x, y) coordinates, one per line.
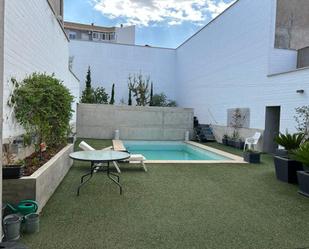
(232, 62)
(84, 32)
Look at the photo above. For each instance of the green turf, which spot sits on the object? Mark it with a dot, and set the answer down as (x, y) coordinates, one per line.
(176, 206)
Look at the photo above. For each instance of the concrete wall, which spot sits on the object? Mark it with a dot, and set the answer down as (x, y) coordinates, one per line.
(113, 63)
(34, 42)
(41, 185)
(1, 95)
(134, 123)
(292, 24)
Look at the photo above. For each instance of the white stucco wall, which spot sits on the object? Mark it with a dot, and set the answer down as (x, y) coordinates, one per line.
(33, 42)
(112, 63)
(227, 63)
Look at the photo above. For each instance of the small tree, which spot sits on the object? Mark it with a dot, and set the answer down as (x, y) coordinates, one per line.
(112, 100)
(88, 93)
(42, 105)
(237, 122)
(130, 97)
(302, 119)
(140, 89)
(100, 96)
(151, 95)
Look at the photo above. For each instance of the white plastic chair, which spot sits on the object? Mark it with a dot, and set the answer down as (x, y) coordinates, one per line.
(251, 141)
(86, 147)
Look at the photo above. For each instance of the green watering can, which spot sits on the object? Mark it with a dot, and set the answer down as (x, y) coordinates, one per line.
(24, 207)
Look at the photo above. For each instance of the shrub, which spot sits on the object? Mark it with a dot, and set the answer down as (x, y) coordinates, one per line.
(42, 105)
(100, 96)
(302, 154)
(161, 100)
(302, 119)
(290, 142)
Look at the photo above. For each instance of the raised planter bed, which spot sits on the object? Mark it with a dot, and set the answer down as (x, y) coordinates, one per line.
(41, 185)
(303, 180)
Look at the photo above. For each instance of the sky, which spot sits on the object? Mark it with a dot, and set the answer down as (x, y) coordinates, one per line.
(160, 23)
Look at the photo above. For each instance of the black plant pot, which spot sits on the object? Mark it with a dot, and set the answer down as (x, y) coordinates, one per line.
(303, 181)
(286, 169)
(71, 140)
(230, 142)
(224, 141)
(252, 157)
(239, 144)
(281, 153)
(12, 171)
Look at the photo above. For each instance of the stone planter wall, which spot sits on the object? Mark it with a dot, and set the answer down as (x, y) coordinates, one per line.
(41, 185)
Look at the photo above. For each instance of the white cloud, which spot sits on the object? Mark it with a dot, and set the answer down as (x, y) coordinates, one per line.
(173, 12)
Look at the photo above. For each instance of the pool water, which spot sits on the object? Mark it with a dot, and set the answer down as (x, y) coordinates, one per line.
(162, 150)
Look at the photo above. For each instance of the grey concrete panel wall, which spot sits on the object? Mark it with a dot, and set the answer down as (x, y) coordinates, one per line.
(220, 131)
(134, 123)
(292, 24)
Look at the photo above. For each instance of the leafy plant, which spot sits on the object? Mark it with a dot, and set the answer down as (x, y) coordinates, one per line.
(290, 141)
(42, 105)
(88, 96)
(302, 154)
(302, 119)
(100, 96)
(112, 100)
(140, 89)
(161, 100)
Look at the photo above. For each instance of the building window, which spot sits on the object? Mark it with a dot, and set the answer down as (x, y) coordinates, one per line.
(112, 36)
(103, 36)
(72, 35)
(95, 35)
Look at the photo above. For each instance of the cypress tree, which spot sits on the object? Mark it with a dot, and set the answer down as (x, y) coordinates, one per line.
(130, 97)
(112, 101)
(88, 94)
(151, 95)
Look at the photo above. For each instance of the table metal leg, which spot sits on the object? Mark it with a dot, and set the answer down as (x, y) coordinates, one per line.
(82, 182)
(118, 178)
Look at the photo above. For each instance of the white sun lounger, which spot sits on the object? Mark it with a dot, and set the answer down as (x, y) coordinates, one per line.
(86, 147)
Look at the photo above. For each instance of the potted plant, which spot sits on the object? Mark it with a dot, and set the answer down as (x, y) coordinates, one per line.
(11, 169)
(225, 139)
(286, 167)
(239, 143)
(252, 156)
(302, 155)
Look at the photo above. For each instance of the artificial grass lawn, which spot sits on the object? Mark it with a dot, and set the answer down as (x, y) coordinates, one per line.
(176, 206)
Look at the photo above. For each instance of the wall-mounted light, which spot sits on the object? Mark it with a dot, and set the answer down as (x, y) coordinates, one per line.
(301, 91)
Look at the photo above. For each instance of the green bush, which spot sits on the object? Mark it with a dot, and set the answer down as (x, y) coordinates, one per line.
(42, 105)
(290, 141)
(302, 154)
(161, 100)
(100, 96)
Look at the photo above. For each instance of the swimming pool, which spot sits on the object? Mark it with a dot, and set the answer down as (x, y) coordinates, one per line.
(176, 151)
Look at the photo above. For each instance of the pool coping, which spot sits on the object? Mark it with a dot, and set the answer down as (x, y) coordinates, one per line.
(234, 158)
